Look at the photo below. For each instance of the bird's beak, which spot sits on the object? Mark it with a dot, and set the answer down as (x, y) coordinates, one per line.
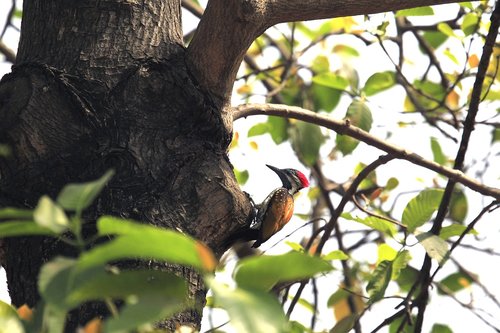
(280, 173)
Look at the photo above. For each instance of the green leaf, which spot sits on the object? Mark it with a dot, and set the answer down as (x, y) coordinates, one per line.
(18, 13)
(370, 182)
(258, 129)
(331, 80)
(148, 243)
(379, 281)
(307, 305)
(293, 92)
(264, 272)
(454, 282)
(156, 295)
(496, 135)
(295, 246)
(23, 228)
(306, 141)
(77, 197)
(434, 38)
(392, 183)
(127, 283)
(373, 222)
(379, 82)
(419, 11)
(435, 247)
(469, 23)
(407, 277)
(467, 5)
(55, 282)
(335, 255)
(430, 88)
(15, 214)
(441, 328)
(295, 327)
(49, 215)
(345, 324)
(54, 318)
(241, 176)
(454, 230)
(250, 311)
(345, 51)
(446, 29)
(349, 72)
(278, 129)
(399, 259)
(320, 64)
(493, 95)
(337, 296)
(437, 152)
(324, 98)
(382, 28)
(306, 30)
(451, 56)
(420, 209)
(400, 263)
(386, 252)
(458, 206)
(9, 320)
(431, 94)
(358, 115)
(397, 327)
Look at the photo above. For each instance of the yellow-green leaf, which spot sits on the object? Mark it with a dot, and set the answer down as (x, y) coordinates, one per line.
(358, 115)
(470, 23)
(263, 272)
(331, 80)
(250, 311)
(379, 281)
(9, 320)
(420, 209)
(49, 215)
(306, 141)
(379, 82)
(419, 11)
(78, 196)
(435, 247)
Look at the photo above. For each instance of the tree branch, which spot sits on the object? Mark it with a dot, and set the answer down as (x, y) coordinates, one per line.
(228, 28)
(10, 56)
(225, 32)
(278, 11)
(345, 128)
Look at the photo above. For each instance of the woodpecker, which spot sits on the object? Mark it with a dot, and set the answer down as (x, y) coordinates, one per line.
(277, 209)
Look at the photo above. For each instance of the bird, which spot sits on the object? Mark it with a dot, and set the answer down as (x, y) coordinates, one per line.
(277, 209)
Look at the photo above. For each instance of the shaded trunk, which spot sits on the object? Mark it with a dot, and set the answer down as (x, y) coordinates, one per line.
(104, 84)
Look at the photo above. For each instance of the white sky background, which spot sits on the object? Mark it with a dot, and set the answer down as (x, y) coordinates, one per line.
(415, 138)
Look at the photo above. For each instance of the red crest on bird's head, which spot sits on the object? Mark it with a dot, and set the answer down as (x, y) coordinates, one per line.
(304, 181)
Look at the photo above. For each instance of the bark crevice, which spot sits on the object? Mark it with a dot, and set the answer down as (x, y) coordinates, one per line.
(143, 114)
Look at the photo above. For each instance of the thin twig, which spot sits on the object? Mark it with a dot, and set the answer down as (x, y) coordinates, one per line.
(386, 218)
(315, 304)
(10, 56)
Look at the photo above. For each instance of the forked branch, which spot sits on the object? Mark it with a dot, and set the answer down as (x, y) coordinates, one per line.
(228, 28)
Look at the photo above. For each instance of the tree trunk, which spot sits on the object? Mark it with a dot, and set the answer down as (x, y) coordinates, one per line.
(102, 84)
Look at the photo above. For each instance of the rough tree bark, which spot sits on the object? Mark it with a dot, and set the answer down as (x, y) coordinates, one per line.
(104, 84)
(101, 84)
